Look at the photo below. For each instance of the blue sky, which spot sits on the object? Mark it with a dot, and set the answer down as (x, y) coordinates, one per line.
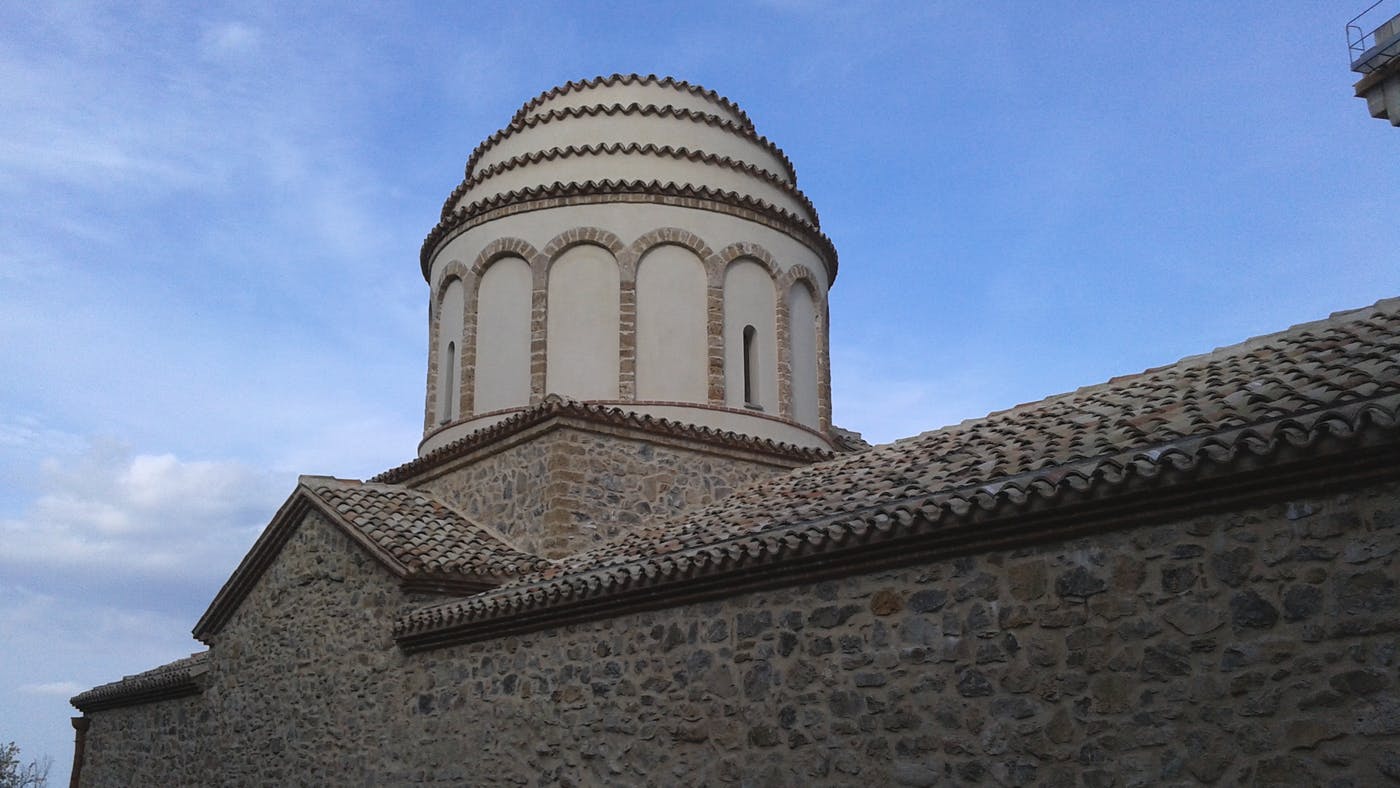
(210, 220)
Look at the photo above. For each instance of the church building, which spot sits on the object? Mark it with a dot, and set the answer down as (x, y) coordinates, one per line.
(633, 549)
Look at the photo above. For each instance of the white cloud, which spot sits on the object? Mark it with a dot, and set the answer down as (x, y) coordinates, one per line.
(875, 397)
(231, 39)
(111, 514)
(63, 689)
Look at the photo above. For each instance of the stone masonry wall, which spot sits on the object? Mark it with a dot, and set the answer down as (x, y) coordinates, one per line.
(501, 490)
(1258, 647)
(569, 489)
(167, 743)
(296, 685)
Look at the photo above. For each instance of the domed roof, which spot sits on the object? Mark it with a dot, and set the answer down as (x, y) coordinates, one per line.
(629, 135)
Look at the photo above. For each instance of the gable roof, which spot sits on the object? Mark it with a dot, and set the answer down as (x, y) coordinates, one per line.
(173, 680)
(1288, 400)
(420, 532)
(427, 544)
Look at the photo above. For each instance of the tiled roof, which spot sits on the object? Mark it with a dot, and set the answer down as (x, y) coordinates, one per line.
(428, 545)
(419, 531)
(174, 680)
(555, 406)
(1328, 386)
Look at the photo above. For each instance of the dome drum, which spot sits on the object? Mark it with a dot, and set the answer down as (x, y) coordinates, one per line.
(699, 296)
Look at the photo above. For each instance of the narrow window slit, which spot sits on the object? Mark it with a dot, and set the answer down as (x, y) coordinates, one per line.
(449, 404)
(750, 368)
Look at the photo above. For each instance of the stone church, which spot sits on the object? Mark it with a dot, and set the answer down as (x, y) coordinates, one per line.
(633, 549)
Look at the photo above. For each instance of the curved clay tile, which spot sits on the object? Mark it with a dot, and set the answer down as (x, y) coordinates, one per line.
(632, 79)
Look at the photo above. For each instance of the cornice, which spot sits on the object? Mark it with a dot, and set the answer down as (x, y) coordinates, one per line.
(632, 79)
(631, 148)
(1320, 450)
(610, 110)
(178, 679)
(557, 407)
(558, 194)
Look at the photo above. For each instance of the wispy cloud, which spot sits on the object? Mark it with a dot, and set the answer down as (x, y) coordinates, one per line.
(122, 516)
(885, 401)
(63, 689)
(231, 40)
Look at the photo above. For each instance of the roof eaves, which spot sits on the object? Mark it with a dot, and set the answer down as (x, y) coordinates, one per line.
(177, 679)
(1357, 440)
(556, 407)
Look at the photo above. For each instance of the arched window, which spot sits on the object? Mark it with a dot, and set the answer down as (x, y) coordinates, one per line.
(449, 385)
(750, 367)
(750, 331)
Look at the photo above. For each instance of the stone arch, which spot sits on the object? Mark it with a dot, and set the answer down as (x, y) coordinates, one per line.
(493, 252)
(627, 301)
(745, 249)
(628, 314)
(669, 235)
(801, 275)
(505, 247)
(582, 319)
(670, 339)
(584, 235)
(453, 271)
(716, 266)
(747, 322)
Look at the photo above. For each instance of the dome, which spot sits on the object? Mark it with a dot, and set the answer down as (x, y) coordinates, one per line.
(630, 241)
(629, 134)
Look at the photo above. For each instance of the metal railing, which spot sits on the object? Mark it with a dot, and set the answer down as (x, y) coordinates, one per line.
(1364, 51)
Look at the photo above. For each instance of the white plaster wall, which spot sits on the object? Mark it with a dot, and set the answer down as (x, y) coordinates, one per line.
(581, 333)
(502, 373)
(450, 322)
(629, 221)
(802, 334)
(581, 169)
(672, 349)
(636, 94)
(749, 300)
(642, 129)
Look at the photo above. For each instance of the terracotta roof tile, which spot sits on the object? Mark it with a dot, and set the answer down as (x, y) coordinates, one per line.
(172, 680)
(555, 406)
(1248, 403)
(419, 531)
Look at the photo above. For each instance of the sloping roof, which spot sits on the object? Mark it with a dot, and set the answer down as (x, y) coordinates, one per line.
(424, 542)
(557, 407)
(173, 680)
(1332, 386)
(422, 533)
